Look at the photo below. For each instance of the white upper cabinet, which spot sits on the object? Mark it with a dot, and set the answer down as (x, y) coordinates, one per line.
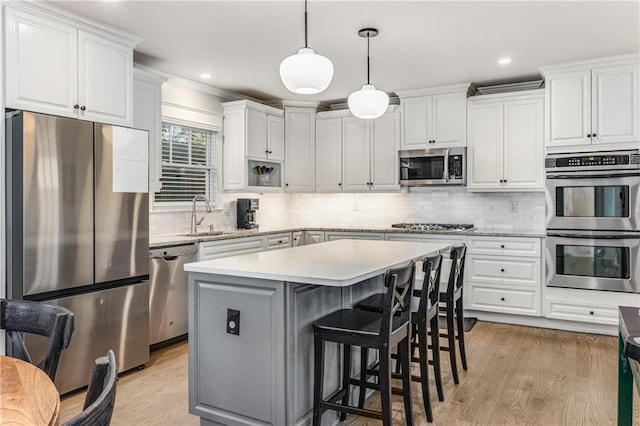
(300, 149)
(368, 155)
(147, 115)
(265, 135)
(329, 154)
(253, 136)
(593, 105)
(434, 118)
(505, 146)
(57, 64)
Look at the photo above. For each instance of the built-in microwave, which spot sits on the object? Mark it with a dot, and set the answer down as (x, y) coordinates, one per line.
(444, 166)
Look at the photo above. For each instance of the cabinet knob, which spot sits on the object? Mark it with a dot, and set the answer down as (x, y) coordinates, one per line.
(286, 184)
(590, 312)
(501, 269)
(593, 135)
(83, 108)
(76, 106)
(270, 152)
(279, 241)
(501, 245)
(589, 135)
(502, 299)
(339, 183)
(505, 181)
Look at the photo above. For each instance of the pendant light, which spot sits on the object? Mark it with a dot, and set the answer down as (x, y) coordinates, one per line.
(306, 72)
(368, 102)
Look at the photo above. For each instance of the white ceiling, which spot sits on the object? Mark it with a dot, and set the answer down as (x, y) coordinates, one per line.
(421, 43)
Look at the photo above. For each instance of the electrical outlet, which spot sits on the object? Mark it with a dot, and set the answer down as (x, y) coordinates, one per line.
(354, 206)
(513, 208)
(233, 321)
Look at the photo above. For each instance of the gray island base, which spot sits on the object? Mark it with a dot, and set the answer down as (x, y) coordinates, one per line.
(250, 333)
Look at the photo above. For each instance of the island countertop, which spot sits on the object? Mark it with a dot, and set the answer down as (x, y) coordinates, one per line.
(337, 263)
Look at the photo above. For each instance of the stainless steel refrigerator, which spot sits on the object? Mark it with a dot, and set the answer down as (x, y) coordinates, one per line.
(78, 235)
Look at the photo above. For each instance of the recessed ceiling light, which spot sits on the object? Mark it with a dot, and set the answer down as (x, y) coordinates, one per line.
(504, 61)
(205, 75)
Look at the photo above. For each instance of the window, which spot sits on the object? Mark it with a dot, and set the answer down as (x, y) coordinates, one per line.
(188, 165)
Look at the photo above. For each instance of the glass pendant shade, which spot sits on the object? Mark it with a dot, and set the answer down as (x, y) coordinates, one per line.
(306, 72)
(368, 102)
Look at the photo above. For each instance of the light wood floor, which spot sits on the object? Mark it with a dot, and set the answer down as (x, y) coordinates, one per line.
(517, 375)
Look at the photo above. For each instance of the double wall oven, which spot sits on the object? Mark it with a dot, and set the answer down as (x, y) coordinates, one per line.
(593, 215)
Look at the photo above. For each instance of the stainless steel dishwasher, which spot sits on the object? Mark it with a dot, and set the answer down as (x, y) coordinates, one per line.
(168, 291)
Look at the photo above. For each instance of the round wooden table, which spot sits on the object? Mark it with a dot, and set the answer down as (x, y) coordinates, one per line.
(27, 395)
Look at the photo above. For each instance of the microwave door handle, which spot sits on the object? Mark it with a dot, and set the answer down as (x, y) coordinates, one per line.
(446, 166)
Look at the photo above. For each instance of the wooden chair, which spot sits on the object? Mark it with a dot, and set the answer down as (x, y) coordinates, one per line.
(353, 327)
(451, 305)
(424, 315)
(101, 394)
(23, 316)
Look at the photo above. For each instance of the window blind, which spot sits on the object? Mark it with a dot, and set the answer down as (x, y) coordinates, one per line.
(187, 164)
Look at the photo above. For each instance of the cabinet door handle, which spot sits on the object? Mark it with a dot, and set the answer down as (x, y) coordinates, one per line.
(76, 106)
(83, 108)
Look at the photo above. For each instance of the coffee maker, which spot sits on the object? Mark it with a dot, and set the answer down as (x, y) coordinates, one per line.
(246, 213)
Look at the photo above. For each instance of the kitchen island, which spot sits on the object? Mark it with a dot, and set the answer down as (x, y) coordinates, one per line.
(250, 334)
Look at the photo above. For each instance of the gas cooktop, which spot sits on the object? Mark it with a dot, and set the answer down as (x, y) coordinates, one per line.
(434, 226)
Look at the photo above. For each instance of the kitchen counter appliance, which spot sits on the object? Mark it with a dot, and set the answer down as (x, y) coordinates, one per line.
(422, 167)
(78, 235)
(434, 226)
(168, 291)
(593, 220)
(246, 213)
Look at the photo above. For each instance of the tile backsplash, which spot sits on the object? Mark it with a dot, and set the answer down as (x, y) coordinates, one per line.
(506, 211)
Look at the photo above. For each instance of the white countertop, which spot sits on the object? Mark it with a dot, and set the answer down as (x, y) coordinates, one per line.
(339, 263)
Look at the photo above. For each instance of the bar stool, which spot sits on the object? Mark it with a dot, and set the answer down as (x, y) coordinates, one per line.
(451, 305)
(353, 327)
(425, 296)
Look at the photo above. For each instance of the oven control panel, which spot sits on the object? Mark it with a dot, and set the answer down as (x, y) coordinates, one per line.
(609, 160)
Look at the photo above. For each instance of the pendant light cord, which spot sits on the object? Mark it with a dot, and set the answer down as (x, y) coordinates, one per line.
(367, 57)
(305, 24)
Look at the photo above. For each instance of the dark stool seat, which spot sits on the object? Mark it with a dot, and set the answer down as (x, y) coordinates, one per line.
(425, 313)
(23, 316)
(451, 306)
(382, 331)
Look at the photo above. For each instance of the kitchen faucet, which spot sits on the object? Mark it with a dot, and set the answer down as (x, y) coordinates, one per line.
(194, 221)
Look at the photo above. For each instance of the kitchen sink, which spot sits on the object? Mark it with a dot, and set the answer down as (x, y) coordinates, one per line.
(202, 234)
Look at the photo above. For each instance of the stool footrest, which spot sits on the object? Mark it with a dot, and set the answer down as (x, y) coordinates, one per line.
(350, 410)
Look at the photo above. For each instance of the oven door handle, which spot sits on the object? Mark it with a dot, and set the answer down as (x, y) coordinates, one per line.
(594, 237)
(607, 176)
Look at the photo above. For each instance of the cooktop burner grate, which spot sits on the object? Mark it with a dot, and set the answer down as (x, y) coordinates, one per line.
(434, 226)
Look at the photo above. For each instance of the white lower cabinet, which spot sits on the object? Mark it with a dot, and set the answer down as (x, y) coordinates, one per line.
(313, 237)
(340, 235)
(297, 238)
(504, 275)
(208, 250)
(591, 306)
(224, 248)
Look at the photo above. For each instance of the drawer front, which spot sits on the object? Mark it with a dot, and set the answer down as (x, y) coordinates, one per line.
(332, 236)
(447, 239)
(297, 238)
(504, 270)
(565, 310)
(507, 246)
(218, 249)
(519, 302)
(278, 241)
